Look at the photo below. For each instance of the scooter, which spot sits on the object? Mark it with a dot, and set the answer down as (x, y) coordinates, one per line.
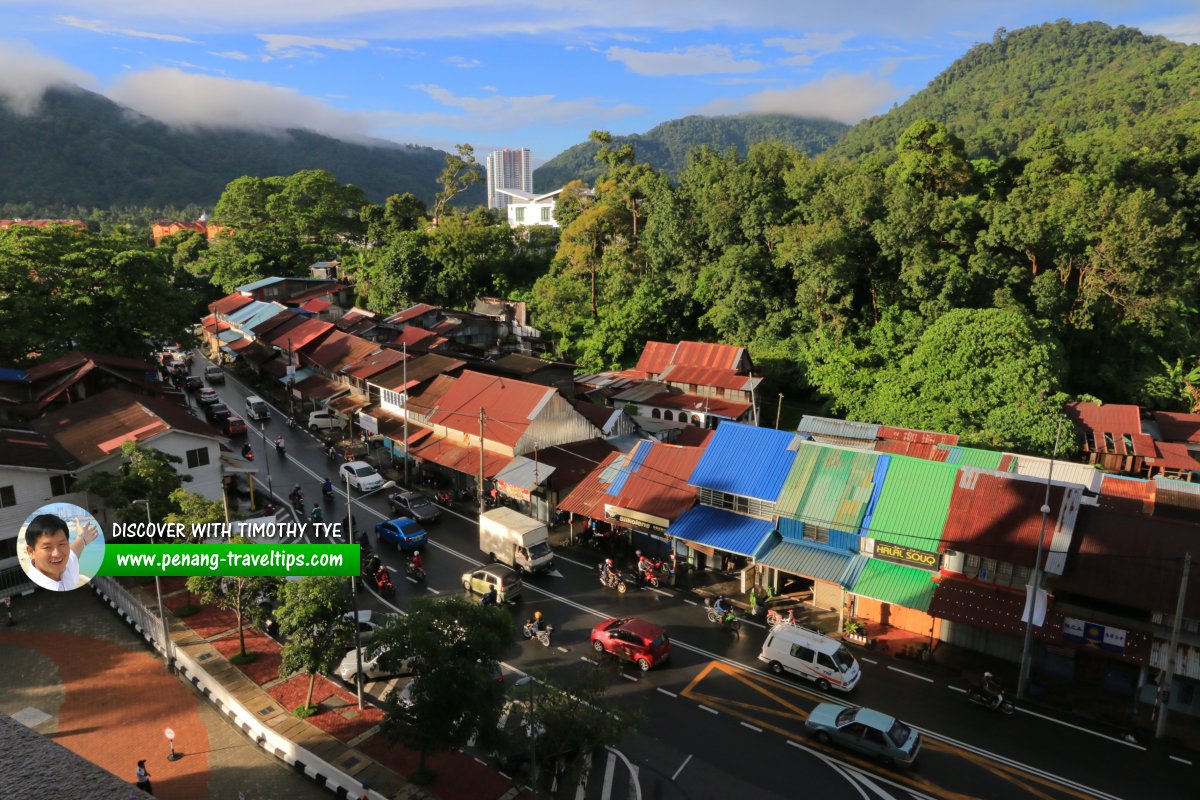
(612, 580)
(727, 618)
(650, 577)
(543, 635)
(997, 702)
(280, 447)
(413, 571)
(383, 582)
(248, 452)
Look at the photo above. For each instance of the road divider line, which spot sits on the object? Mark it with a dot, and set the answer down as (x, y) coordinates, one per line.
(1134, 745)
(589, 660)
(868, 660)
(911, 674)
(431, 589)
(660, 591)
(667, 692)
(754, 728)
(958, 689)
(1180, 760)
(561, 649)
(411, 580)
(681, 766)
(709, 710)
(691, 602)
(755, 624)
(797, 745)
(560, 557)
(629, 677)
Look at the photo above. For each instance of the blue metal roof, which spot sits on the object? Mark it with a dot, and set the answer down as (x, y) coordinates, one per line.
(255, 313)
(301, 374)
(226, 337)
(630, 466)
(745, 460)
(250, 287)
(802, 559)
(722, 530)
(8, 374)
(853, 569)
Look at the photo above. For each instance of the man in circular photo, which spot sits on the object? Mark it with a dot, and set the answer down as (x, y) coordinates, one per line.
(53, 557)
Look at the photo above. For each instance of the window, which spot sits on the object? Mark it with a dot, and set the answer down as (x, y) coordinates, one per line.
(696, 420)
(826, 662)
(520, 214)
(656, 414)
(1021, 575)
(197, 457)
(971, 566)
(803, 653)
(1089, 439)
(1109, 445)
(61, 484)
(1004, 572)
(8, 496)
(546, 214)
(762, 509)
(668, 416)
(8, 548)
(987, 570)
(1127, 440)
(816, 534)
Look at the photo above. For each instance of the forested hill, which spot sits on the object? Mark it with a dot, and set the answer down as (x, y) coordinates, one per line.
(1096, 83)
(80, 149)
(666, 146)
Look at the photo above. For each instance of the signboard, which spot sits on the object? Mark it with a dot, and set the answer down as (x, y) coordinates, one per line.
(1092, 634)
(291, 371)
(170, 734)
(368, 423)
(636, 519)
(515, 492)
(907, 555)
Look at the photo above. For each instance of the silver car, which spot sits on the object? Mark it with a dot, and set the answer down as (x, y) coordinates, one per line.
(372, 668)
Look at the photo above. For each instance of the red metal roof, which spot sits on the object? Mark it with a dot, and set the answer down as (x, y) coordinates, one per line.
(1174, 455)
(590, 492)
(707, 376)
(707, 354)
(1000, 517)
(318, 291)
(693, 436)
(275, 324)
(508, 406)
(1113, 419)
(412, 336)
(1177, 427)
(410, 313)
(459, 458)
(1127, 494)
(339, 349)
(230, 303)
(699, 405)
(1131, 559)
(373, 363)
(314, 387)
(573, 462)
(656, 356)
(302, 335)
(893, 434)
(316, 306)
(658, 482)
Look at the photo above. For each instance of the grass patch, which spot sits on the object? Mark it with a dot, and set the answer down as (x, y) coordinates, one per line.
(422, 777)
(246, 658)
(304, 712)
(186, 611)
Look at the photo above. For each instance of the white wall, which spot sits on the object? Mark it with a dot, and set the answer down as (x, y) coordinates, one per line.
(533, 214)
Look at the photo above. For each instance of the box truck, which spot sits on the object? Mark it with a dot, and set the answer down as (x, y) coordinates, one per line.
(514, 539)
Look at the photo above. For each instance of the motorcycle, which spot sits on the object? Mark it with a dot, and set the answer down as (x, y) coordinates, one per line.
(332, 453)
(612, 580)
(650, 576)
(727, 618)
(600, 540)
(280, 447)
(382, 582)
(543, 635)
(315, 515)
(297, 501)
(247, 453)
(997, 702)
(414, 572)
(777, 618)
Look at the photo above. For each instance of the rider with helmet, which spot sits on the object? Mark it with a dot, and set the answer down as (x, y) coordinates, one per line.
(723, 606)
(606, 570)
(990, 688)
(534, 626)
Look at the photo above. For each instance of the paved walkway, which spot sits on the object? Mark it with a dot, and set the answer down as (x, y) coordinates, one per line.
(74, 671)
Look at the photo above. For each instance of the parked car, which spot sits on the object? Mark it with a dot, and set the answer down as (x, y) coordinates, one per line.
(372, 668)
(415, 505)
(214, 374)
(235, 425)
(368, 621)
(217, 413)
(324, 420)
(361, 475)
(403, 532)
(193, 383)
(505, 581)
(869, 732)
(208, 396)
(631, 639)
(492, 668)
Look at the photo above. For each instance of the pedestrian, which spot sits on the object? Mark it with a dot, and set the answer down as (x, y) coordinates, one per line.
(753, 602)
(143, 778)
(8, 607)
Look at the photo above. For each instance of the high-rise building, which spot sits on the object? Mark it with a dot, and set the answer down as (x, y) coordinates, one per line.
(511, 168)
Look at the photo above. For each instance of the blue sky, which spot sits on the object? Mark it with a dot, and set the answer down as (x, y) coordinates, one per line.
(538, 74)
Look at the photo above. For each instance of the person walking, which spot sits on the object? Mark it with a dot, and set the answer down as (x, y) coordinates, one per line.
(143, 778)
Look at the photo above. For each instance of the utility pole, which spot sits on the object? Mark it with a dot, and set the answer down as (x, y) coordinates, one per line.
(404, 364)
(480, 492)
(1036, 579)
(1164, 688)
(778, 410)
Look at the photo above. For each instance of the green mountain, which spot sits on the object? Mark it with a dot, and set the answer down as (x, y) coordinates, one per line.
(80, 149)
(666, 146)
(1095, 82)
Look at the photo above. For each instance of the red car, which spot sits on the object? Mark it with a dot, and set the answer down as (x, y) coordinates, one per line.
(641, 642)
(235, 426)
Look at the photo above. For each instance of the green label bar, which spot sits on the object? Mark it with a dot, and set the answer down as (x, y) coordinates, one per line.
(230, 559)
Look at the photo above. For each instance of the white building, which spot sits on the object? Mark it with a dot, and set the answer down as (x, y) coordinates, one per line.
(511, 168)
(527, 208)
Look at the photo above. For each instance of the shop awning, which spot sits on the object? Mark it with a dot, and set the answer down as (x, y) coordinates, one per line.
(805, 560)
(988, 608)
(299, 375)
(522, 476)
(316, 388)
(721, 530)
(460, 458)
(897, 584)
(347, 404)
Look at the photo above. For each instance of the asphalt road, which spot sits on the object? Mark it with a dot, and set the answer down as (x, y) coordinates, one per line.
(717, 723)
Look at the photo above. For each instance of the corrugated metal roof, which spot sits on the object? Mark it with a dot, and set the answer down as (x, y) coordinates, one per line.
(1174, 455)
(990, 608)
(525, 473)
(828, 486)
(339, 350)
(654, 480)
(1115, 420)
(1086, 475)
(655, 357)
(259, 284)
(896, 583)
(925, 450)
(801, 559)
(230, 303)
(411, 313)
(972, 456)
(707, 354)
(508, 405)
(458, 458)
(893, 434)
(708, 376)
(1187, 658)
(720, 529)
(1177, 427)
(913, 503)
(845, 429)
(745, 460)
(303, 334)
(590, 492)
(853, 569)
(1172, 485)
(225, 337)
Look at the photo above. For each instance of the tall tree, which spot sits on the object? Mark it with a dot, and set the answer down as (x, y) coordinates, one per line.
(315, 632)
(238, 594)
(460, 172)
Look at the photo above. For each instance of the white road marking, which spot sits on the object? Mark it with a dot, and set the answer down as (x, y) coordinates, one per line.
(609, 769)
(590, 660)
(958, 689)
(1080, 728)
(629, 677)
(755, 624)
(681, 766)
(911, 674)
(709, 710)
(480, 760)
(431, 589)
(581, 789)
(410, 579)
(561, 557)
(869, 661)
(1180, 760)
(561, 649)
(796, 744)
(634, 783)
(691, 602)
(667, 693)
(754, 728)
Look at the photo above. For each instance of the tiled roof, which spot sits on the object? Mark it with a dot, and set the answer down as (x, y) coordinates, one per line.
(913, 504)
(410, 313)
(745, 460)
(36, 765)
(373, 363)
(721, 530)
(1117, 421)
(508, 405)
(896, 584)
(302, 335)
(1176, 427)
(230, 303)
(339, 349)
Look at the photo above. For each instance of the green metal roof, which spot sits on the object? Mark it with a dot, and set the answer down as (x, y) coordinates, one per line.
(971, 456)
(828, 486)
(913, 503)
(896, 583)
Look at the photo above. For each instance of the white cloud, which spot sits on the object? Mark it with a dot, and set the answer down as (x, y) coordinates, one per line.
(25, 74)
(408, 52)
(697, 60)
(286, 45)
(1181, 29)
(489, 88)
(235, 55)
(846, 97)
(809, 47)
(100, 26)
(464, 63)
(500, 112)
(184, 100)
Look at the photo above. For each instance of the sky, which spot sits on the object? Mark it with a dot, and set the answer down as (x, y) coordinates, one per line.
(540, 74)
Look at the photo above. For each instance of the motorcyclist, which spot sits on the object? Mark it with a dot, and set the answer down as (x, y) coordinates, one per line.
(606, 570)
(297, 497)
(416, 562)
(489, 599)
(316, 514)
(991, 690)
(332, 451)
(247, 451)
(723, 606)
(535, 625)
(644, 567)
(280, 446)
(327, 488)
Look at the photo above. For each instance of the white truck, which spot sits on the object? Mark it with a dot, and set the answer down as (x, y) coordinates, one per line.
(514, 539)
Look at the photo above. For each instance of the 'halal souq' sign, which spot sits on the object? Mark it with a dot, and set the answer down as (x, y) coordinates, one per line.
(907, 555)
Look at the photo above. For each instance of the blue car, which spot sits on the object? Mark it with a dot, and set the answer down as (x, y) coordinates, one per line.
(403, 532)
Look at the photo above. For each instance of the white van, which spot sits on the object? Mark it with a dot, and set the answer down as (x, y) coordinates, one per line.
(257, 408)
(811, 655)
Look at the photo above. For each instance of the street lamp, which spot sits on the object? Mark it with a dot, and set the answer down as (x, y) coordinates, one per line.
(532, 728)
(358, 673)
(168, 656)
(262, 427)
(1036, 578)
